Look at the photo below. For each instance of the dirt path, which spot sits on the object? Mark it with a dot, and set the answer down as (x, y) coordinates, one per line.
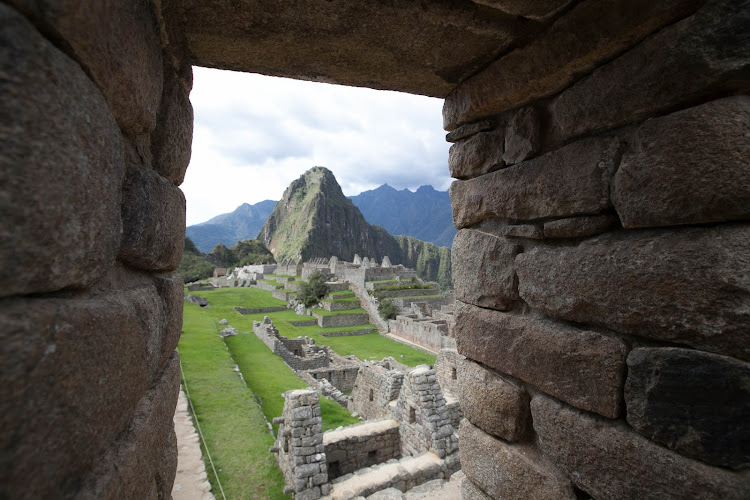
(191, 482)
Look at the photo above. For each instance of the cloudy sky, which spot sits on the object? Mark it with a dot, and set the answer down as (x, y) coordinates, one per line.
(255, 134)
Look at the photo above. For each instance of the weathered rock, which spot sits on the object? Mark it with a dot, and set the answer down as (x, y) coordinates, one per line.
(579, 227)
(173, 40)
(509, 471)
(117, 44)
(470, 491)
(172, 138)
(493, 403)
(534, 9)
(469, 129)
(171, 289)
(679, 285)
(201, 301)
(61, 167)
(693, 402)
(481, 153)
(483, 272)
(690, 167)
(144, 457)
(695, 58)
(522, 136)
(573, 180)
(608, 460)
(153, 216)
(62, 388)
(591, 33)
(581, 367)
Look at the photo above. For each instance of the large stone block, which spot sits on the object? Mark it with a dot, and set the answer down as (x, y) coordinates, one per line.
(579, 227)
(172, 139)
(607, 460)
(689, 285)
(698, 57)
(118, 45)
(153, 217)
(522, 136)
(171, 290)
(61, 167)
(483, 271)
(693, 402)
(509, 471)
(690, 167)
(581, 367)
(573, 180)
(470, 491)
(144, 457)
(534, 9)
(493, 403)
(589, 34)
(477, 155)
(74, 372)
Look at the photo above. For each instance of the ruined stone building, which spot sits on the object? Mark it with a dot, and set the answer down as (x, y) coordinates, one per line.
(600, 149)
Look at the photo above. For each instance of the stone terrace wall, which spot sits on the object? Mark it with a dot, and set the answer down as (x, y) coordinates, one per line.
(95, 126)
(427, 332)
(374, 388)
(603, 254)
(341, 377)
(361, 445)
(299, 353)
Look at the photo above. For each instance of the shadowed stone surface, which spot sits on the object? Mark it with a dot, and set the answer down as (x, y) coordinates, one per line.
(171, 290)
(118, 45)
(153, 219)
(609, 460)
(581, 367)
(484, 273)
(693, 402)
(63, 390)
(469, 129)
(700, 56)
(522, 136)
(591, 33)
(681, 285)
(509, 471)
(419, 48)
(470, 491)
(690, 167)
(533, 9)
(579, 227)
(573, 180)
(493, 403)
(480, 154)
(61, 167)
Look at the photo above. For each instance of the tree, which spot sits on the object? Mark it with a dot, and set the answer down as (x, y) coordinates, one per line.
(313, 290)
(387, 309)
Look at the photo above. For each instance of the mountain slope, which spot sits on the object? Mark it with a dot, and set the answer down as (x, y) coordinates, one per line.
(243, 223)
(315, 219)
(424, 214)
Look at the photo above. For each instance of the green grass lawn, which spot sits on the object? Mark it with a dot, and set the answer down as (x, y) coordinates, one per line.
(323, 312)
(345, 299)
(344, 293)
(228, 414)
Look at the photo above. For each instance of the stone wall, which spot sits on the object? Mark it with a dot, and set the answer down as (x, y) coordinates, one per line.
(375, 387)
(361, 445)
(601, 266)
(95, 126)
(300, 353)
(341, 320)
(432, 334)
(341, 377)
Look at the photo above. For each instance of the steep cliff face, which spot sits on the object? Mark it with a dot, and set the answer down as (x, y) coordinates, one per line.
(315, 219)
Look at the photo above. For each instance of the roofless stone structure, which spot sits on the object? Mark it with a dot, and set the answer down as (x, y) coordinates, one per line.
(601, 151)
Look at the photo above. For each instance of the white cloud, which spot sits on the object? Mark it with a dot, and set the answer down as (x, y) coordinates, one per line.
(255, 134)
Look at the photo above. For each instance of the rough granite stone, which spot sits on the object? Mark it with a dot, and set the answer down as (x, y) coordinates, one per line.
(573, 180)
(533, 9)
(690, 167)
(579, 227)
(581, 367)
(470, 491)
(61, 167)
(493, 403)
(522, 136)
(698, 57)
(172, 139)
(677, 285)
(62, 387)
(482, 267)
(589, 34)
(469, 129)
(509, 471)
(153, 217)
(171, 290)
(477, 155)
(693, 402)
(609, 460)
(118, 45)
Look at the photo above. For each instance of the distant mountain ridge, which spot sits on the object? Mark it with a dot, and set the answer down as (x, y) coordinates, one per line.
(424, 214)
(314, 219)
(244, 223)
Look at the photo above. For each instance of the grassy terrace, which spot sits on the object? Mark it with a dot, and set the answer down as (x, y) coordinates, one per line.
(228, 411)
(342, 293)
(323, 312)
(346, 299)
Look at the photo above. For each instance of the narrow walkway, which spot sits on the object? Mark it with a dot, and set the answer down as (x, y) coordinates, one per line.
(191, 482)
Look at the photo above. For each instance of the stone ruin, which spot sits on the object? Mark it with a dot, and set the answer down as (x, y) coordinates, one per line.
(590, 231)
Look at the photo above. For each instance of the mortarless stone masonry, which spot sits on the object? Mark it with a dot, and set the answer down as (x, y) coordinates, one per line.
(618, 209)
